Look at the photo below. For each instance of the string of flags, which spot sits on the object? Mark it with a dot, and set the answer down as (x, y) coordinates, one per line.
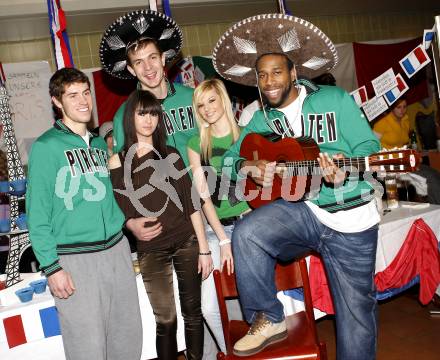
(388, 87)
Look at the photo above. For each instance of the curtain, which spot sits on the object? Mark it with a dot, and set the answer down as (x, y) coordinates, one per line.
(110, 93)
(345, 71)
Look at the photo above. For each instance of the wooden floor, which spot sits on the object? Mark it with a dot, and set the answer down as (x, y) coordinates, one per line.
(406, 330)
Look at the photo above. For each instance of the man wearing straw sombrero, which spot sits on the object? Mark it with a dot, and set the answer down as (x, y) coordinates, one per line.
(340, 221)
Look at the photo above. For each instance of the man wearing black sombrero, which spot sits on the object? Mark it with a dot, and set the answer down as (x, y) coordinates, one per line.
(340, 220)
(139, 44)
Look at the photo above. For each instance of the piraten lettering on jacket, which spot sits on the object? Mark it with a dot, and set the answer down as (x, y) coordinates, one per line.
(179, 119)
(321, 127)
(86, 161)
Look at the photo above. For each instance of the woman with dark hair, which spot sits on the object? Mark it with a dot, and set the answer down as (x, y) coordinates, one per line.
(150, 181)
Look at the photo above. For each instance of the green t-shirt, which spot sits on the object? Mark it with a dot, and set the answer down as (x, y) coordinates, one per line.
(219, 147)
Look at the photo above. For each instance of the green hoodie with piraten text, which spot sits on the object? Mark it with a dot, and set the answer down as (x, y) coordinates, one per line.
(70, 204)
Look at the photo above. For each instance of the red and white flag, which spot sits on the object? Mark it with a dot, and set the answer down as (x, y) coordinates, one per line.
(57, 25)
(360, 96)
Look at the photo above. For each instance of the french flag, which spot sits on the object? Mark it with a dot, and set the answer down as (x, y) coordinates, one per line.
(360, 96)
(57, 25)
(414, 61)
(30, 325)
(392, 95)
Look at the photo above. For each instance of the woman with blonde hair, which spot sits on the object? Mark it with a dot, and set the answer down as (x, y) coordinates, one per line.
(218, 131)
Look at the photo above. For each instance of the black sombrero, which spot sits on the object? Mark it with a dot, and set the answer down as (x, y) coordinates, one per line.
(132, 27)
(236, 52)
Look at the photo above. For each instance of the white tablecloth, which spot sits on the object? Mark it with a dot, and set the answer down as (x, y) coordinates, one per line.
(51, 348)
(394, 227)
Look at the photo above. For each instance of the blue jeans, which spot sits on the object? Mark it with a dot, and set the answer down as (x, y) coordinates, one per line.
(284, 231)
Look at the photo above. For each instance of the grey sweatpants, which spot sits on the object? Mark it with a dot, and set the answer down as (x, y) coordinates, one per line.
(101, 320)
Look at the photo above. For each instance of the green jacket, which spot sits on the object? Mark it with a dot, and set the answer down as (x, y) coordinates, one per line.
(179, 119)
(332, 118)
(69, 200)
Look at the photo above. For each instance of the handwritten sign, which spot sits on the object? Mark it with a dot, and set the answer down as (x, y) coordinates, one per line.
(375, 107)
(27, 84)
(384, 82)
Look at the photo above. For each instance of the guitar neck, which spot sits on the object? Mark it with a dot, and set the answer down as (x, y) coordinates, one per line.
(311, 167)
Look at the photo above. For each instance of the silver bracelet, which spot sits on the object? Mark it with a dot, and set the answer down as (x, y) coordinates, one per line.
(224, 242)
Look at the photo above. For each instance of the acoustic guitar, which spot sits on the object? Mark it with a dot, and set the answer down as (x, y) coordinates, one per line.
(298, 172)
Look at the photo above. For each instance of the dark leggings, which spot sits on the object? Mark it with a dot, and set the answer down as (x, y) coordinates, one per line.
(157, 272)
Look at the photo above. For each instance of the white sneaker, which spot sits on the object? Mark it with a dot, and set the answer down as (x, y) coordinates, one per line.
(262, 333)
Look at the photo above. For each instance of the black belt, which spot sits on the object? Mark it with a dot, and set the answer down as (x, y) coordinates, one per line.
(231, 220)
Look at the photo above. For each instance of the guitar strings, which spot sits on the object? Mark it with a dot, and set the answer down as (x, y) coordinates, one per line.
(312, 167)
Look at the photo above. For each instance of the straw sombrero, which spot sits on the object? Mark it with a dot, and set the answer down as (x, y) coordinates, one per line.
(132, 27)
(236, 52)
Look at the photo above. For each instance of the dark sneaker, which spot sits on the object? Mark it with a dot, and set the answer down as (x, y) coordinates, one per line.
(262, 333)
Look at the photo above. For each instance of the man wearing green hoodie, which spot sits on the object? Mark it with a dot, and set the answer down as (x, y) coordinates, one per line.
(75, 230)
(339, 220)
(139, 44)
